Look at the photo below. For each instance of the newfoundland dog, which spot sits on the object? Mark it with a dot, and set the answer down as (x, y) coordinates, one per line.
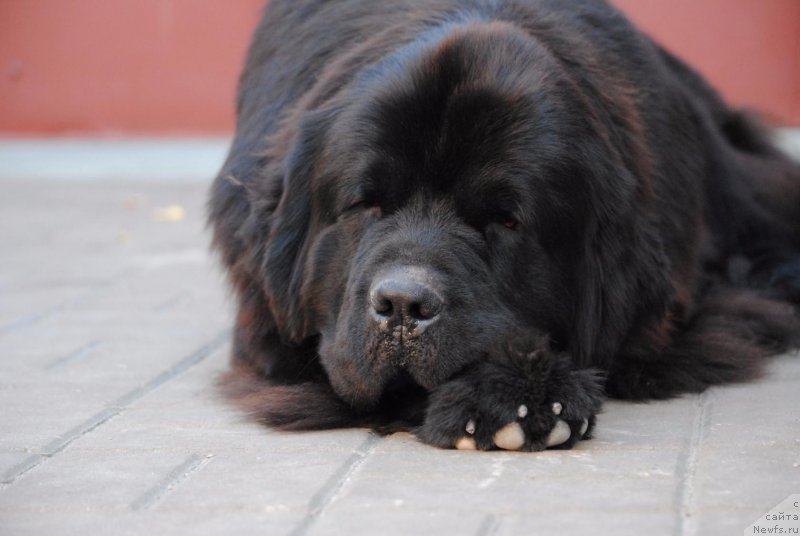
(475, 219)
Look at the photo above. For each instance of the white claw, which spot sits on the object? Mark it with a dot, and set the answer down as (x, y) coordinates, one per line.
(466, 443)
(584, 427)
(559, 434)
(557, 408)
(470, 427)
(510, 437)
(522, 411)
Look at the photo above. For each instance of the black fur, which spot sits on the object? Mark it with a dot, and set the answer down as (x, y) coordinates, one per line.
(586, 207)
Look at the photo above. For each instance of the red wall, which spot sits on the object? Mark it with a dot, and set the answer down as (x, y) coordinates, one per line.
(749, 49)
(170, 66)
(128, 66)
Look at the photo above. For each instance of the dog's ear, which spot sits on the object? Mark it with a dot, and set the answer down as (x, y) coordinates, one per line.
(623, 273)
(289, 229)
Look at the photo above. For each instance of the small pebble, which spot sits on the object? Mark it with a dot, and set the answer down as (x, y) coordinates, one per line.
(470, 427)
(123, 236)
(557, 408)
(559, 434)
(510, 437)
(466, 443)
(522, 411)
(170, 213)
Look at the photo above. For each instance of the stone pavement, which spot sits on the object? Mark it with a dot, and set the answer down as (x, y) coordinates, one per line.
(114, 323)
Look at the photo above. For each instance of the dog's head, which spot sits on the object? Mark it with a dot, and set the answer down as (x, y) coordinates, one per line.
(461, 189)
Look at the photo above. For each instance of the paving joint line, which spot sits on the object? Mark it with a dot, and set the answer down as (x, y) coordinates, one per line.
(150, 498)
(75, 355)
(29, 320)
(114, 409)
(333, 487)
(688, 467)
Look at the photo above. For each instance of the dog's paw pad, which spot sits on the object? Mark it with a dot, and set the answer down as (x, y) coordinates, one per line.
(466, 443)
(510, 437)
(559, 434)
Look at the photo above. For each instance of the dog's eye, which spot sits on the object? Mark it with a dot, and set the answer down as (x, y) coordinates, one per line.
(506, 221)
(363, 206)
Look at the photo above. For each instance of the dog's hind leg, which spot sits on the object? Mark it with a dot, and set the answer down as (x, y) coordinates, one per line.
(728, 339)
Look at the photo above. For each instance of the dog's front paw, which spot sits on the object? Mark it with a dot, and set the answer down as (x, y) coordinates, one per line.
(528, 401)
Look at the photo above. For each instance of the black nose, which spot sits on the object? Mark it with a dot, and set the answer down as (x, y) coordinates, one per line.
(405, 296)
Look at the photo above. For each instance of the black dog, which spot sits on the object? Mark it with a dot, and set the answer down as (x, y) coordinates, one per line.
(474, 218)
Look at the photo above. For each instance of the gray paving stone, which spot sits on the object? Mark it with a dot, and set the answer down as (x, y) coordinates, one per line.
(748, 477)
(526, 491)
(11, 458)
(400, 456)
(109, 482)
(770, 408)
(157, 523)
(398, 520)
(631, 523)
(724, 521)
(654, 424)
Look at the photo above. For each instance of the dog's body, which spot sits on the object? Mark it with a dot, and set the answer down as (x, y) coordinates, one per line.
(435, 212)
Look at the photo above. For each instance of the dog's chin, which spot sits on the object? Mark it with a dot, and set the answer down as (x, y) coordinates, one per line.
(364, 379)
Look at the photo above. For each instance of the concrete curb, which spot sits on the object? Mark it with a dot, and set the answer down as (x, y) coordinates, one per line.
(148, 159)
(94, 159)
